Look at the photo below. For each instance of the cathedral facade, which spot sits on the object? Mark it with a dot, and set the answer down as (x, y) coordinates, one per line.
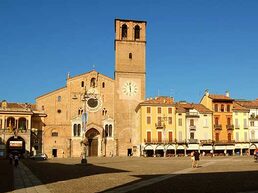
(99, 107)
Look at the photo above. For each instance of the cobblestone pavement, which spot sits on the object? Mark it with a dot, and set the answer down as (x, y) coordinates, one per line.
(129, 174)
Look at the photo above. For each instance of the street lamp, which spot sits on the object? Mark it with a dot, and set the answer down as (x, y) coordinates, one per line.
(84, 141)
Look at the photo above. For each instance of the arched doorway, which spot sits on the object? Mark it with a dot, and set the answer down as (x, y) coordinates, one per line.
(92, 136)
(15, 145)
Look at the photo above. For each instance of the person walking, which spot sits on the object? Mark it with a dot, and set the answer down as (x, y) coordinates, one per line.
(193, 159)
(10, 158)
(196, 158)
(16, 161)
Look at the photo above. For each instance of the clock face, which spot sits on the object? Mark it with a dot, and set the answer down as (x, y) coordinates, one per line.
(130, 88)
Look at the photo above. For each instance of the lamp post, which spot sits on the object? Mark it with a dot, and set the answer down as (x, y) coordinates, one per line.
(84, 141)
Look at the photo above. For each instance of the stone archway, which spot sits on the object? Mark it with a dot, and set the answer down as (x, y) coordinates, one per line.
(15, 145)
(92, 136)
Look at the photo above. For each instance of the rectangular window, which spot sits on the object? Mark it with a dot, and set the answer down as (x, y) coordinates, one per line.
(246, 137)
(159, 136)
(148, 120)
(180, 136)
(216, 108)
(228, 108)
(191, 122)
(245, 123)
(159, 110)
(148, 136)
(159, 120)
(180, 122)
(236, 123)
(217, 136)
(252, 123)
(169, 110)
(222, 108)
(237, 136)
(169, 120)
(205, 123)
(192, 135)
(170, 136)
(148, 110)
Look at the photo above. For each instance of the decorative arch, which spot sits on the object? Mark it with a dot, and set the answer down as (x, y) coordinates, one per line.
(137, 32)
(22, 123)
(15, 145)
(124, 31)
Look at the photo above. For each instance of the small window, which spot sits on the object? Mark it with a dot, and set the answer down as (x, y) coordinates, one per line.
(59, 111)
(170, 120)
(130, 55)
(82, 84)
(42, 108)
(191, 122)
(54, 134)
(228, 108)
(93, 82)
(222, 108)
(148, 120)
(159, 110)
(59, 98)
(180, 122)
(216, 108)
(148, 110)
(170, 110)
(103, 84)
(110, 130)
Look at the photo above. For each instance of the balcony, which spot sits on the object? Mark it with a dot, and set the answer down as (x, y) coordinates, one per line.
(194, 141)
(10, 132)
(218, 127)
(160, 125)
(192, 127)
(192, 114)
(230, 127)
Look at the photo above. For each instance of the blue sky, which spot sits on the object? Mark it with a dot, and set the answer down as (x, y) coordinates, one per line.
(191, 45)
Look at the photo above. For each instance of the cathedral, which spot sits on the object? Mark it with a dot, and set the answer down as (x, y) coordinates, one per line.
(100, 108)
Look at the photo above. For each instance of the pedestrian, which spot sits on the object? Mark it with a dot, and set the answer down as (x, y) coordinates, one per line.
(10, 158)
(196, 158)
(16, 160)
(193, 159)
(211, 152)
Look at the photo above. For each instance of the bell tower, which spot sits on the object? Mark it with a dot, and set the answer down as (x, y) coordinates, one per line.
(130, 77)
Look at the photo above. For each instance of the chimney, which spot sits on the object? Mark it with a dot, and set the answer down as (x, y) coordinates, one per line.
(227, 93)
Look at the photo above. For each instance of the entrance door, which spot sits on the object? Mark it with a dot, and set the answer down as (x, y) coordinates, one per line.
(54, 152)
(93, 147)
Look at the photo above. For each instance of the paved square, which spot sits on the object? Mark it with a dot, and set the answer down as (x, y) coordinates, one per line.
(131, 174)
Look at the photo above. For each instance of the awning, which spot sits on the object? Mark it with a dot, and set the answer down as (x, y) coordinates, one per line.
(193, 147)
(180, 147)
(160, 147)
(148, 147)
(206, 147)
(220, 147)
(171, 147)
(230, 147)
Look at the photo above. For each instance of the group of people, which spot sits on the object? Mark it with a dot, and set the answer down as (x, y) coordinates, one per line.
(195, 157)
(14, 158)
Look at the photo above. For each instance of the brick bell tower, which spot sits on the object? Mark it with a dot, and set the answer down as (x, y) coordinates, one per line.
(130, 77)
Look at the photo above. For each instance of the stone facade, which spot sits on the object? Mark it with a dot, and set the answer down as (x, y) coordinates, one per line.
(109, 103)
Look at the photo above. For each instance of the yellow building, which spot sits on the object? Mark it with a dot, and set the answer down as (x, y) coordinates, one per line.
(157, 126)
(241, 131)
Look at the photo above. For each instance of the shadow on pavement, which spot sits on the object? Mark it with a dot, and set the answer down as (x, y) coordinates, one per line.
(221, 182)
(49, 172)
(6, 176)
